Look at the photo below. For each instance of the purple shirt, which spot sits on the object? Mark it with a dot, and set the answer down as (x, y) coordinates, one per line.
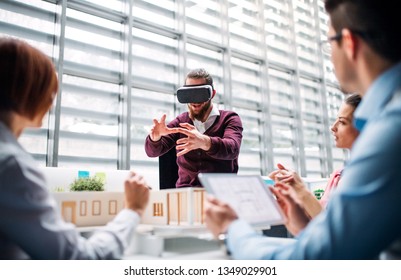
(226, 137)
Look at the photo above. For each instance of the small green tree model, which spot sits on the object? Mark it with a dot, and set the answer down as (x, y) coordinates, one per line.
(318, 193)
(87, 184)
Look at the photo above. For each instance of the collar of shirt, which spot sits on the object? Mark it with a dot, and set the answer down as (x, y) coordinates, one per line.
(377, 96)
(203, 126)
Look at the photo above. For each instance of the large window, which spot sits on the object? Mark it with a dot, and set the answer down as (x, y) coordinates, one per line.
(120, 63)
(90, 96)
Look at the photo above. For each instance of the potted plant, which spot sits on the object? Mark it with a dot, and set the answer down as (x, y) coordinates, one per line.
(87, 184)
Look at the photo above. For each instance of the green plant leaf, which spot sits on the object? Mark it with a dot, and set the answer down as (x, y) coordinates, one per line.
(87, 184)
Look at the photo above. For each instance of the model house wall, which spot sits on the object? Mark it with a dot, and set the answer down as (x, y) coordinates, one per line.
(89, 208)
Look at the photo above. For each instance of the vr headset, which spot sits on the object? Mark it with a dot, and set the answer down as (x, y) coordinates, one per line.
(194, 94)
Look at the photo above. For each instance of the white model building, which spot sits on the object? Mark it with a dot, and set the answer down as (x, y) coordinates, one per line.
(166, 207)
(183, 206)
(178, 207)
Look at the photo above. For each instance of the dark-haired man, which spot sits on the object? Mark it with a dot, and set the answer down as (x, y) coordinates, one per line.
(362, 219)
(206, 139)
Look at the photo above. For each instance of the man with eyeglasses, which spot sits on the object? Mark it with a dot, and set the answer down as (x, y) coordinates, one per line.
(363, 218)
(207, 139)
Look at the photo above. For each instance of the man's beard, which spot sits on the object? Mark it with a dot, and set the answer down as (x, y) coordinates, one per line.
(202, 113)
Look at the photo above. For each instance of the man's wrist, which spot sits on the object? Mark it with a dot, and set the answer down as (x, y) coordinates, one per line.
(154, 140)
(208, 143)
(222, 237)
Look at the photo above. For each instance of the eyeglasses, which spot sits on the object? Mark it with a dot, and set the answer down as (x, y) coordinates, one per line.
(326, 44)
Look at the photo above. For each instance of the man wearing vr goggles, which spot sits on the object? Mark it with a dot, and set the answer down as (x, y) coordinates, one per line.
(206, 139)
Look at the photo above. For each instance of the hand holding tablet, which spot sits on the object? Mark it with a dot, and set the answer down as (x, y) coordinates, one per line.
(248, 195)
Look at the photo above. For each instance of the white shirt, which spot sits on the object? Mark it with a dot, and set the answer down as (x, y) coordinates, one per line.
(203, 126)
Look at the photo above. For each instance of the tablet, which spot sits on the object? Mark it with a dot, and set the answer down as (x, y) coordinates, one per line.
(248, 195)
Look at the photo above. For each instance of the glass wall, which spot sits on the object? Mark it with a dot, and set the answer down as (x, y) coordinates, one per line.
(120, 62)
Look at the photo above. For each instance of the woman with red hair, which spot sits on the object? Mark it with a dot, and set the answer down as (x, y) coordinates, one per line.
(30, 224)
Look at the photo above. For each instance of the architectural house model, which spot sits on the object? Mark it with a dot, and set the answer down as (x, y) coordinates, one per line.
(179, 207)
(176, 207)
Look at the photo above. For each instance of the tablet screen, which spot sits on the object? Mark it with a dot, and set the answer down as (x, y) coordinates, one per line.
(248, 195)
